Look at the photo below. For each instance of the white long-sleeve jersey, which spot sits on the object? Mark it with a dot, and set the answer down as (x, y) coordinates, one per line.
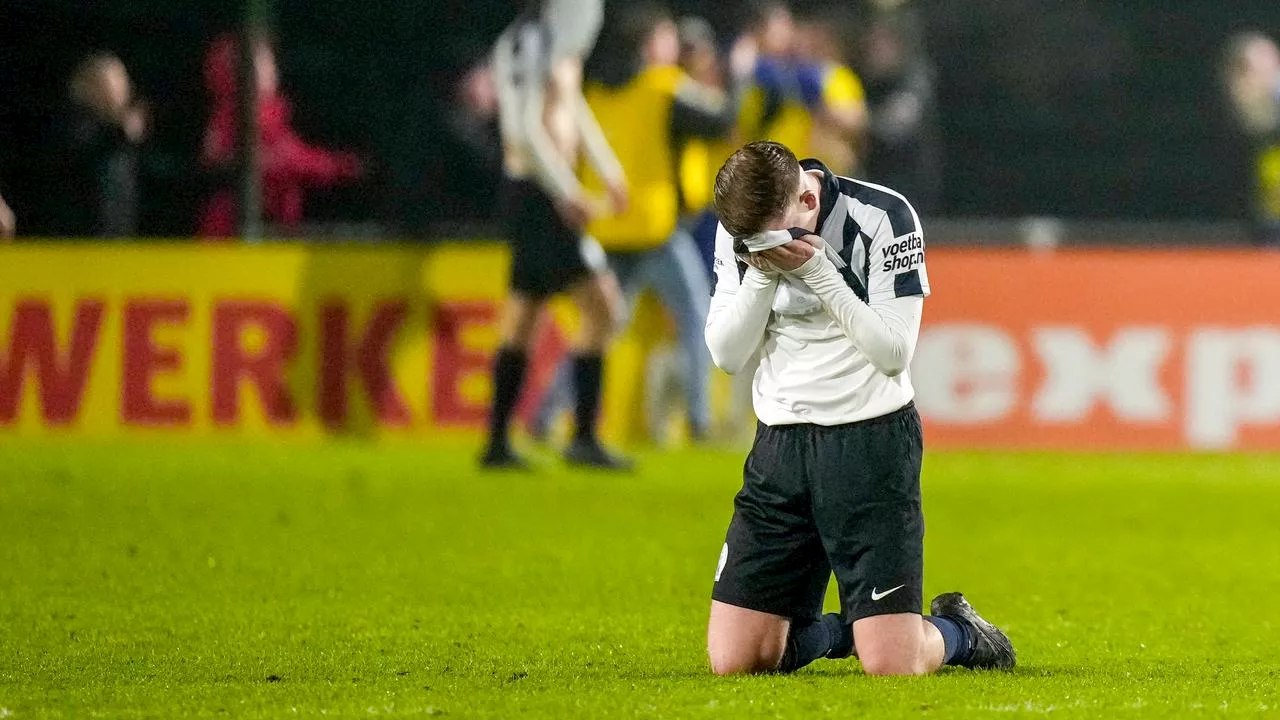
(834, 344)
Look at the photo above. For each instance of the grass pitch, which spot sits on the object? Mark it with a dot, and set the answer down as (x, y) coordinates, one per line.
(354, 581)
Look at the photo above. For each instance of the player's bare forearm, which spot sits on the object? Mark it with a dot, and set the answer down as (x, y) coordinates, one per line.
(885, 333)
(551, 168)
(736, 322)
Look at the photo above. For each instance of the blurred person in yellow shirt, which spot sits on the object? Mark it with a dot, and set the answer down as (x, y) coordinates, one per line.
(646, 103)
(1252, 79)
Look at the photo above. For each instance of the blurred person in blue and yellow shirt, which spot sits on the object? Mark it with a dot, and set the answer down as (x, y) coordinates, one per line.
(839, 121)
(800, 91)
(646, 104)
(1252, 79)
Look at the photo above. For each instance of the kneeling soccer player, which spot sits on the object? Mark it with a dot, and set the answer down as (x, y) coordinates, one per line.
(824, 276)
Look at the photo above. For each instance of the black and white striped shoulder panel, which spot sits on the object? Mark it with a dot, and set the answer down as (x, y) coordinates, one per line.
(871, 200)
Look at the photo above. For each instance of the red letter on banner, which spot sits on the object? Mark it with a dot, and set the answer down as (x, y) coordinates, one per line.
(265, 368)
(372, 359)
(60, 382)
(143, 359)
(453, 362)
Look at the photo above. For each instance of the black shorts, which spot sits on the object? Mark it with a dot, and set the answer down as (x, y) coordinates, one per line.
(547, 256)
(817, 499)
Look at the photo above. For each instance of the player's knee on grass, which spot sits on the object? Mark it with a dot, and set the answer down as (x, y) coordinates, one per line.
(744, 659)
(893, 645)
(893, 661)
(744, 642)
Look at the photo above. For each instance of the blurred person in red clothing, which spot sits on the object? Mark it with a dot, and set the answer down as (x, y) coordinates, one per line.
(289, 164)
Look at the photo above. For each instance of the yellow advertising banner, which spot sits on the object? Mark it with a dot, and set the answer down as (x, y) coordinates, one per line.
(281, 340)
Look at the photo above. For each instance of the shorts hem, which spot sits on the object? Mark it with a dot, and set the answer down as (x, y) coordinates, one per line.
(764, 607)
(864, 613)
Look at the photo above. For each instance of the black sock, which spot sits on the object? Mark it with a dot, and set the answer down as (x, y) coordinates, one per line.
(956, 639)
(588, 372)
(508, 377)
(841, 637)
(828, 636)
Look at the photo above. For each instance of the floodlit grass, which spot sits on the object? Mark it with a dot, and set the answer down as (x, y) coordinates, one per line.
(354, 580)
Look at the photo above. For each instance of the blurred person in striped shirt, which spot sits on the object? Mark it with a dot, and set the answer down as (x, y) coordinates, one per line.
(546, 125)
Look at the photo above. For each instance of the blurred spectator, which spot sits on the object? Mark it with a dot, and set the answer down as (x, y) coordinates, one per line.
(699, 54)
(469, 137)
(905, 150)
(773, 108)
(700, 158)
(475, 118)
(840, 119)
(95, 161)
(647, 106)
(1252, 78)
(649, 111)
(8, 224)
(289, 164)
(802, 90)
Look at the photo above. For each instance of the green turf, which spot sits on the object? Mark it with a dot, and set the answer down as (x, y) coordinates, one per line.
(354, 581)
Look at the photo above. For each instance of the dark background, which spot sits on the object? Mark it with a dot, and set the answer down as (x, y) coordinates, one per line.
(1049, 107)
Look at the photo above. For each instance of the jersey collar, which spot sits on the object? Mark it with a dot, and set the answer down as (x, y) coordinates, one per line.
(830, 189)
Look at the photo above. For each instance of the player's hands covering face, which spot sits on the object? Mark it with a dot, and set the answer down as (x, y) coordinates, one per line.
(794, 254)
(759, 263)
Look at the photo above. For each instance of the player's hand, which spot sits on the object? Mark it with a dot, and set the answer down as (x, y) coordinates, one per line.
(792, 255)
(618, 197)
(575, 211)
(759, 263)
(814, 241)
